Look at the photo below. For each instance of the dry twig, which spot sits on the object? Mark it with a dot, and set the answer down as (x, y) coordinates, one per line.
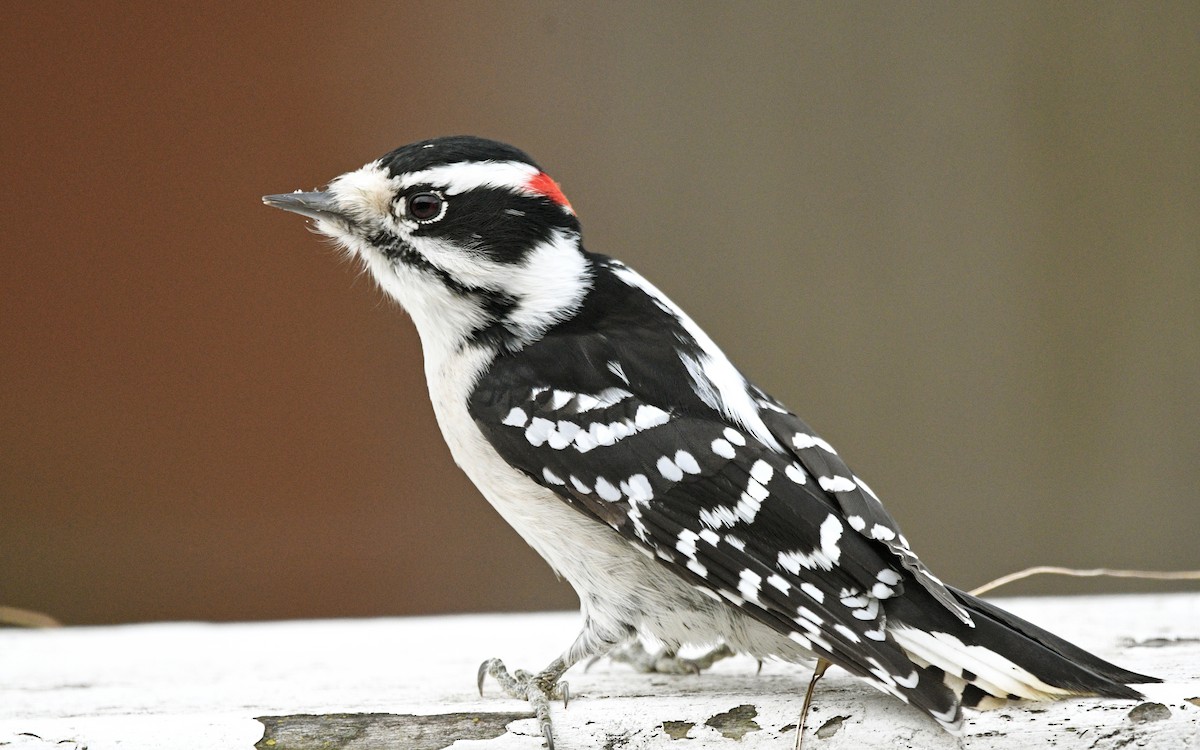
(1150, 575)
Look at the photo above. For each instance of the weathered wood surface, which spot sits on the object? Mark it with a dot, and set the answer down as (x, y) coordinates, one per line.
(409, 683)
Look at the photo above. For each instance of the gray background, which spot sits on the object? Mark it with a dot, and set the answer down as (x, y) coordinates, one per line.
(962, 240)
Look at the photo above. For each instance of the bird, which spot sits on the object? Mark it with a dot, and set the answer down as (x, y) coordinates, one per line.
(681, 501)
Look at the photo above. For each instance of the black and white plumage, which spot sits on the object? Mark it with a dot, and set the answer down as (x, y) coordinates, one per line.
(678, 499)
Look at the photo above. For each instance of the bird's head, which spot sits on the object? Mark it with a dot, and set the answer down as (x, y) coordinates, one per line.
(473, 239)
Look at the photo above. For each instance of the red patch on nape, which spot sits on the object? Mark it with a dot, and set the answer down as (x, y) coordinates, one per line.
(542, 184)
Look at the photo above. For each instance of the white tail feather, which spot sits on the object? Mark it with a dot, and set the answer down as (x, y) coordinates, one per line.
(994, 674)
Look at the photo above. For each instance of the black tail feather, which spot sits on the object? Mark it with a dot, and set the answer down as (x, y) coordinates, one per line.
(1062, 647)
(1039, 663)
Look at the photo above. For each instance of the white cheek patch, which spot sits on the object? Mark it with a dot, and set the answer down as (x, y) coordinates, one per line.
(550, 283)
(547, 286)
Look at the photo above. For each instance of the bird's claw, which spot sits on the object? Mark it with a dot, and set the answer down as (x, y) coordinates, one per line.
(666, 661)
(538, 690)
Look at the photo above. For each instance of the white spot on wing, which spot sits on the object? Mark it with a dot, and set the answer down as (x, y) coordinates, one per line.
(606, 491)
(650, 416)
(869, 612)
(586, 402)
(516, 418)
(584, 442)
(635, 517)
(718, 517)
(669, 470)
(802, 441)
(798, 638)
(882, 533)
(807, 614)
(602, 434)
(836, 484)
(813, 592)
(778, 582)
(611, 396)
(854, 600)
(756, 492)
(879, 591)
(686, 543)
(622, 430)
(761, 471)
(888, 577)
(639, 488)
(746, 510)
(824, 557)
(749, 584)
(562, 435)
(722, 448)
(538, 430)
(687, 462)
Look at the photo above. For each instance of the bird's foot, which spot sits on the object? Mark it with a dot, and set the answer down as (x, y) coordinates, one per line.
(539, 689)
(665, 661)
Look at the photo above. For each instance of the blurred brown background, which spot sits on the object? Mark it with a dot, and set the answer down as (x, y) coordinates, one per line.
(962, 241)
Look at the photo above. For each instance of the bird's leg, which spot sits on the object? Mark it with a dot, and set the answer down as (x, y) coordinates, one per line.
(666, 661)
(818, 673)
(539, 689)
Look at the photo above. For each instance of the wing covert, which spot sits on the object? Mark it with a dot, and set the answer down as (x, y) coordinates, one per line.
(735, 518)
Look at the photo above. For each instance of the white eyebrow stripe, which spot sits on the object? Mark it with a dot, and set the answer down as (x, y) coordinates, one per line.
(461, 177)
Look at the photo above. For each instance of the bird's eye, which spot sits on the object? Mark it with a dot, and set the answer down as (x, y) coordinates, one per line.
(426, 207)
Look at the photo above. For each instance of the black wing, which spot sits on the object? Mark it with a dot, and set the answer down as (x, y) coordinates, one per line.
(859, 505)
(735, 517)
(600, 412)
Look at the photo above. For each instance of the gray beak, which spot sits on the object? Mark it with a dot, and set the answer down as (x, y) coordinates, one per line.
(318, 205)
